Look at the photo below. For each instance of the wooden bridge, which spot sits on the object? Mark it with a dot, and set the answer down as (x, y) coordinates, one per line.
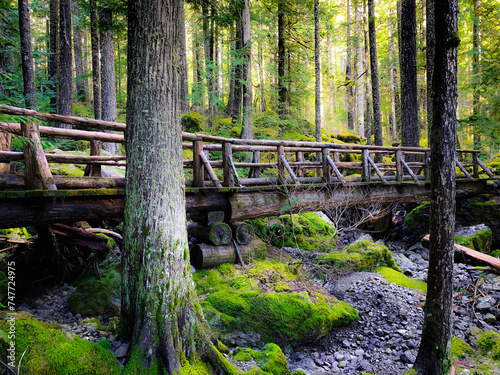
(243, 178)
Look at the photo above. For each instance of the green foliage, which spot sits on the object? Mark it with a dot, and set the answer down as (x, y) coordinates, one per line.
(460, 349)
(245, 300)
(51, 351)
(304, 231)
(398, 278)
(361, 256)
(481, 241)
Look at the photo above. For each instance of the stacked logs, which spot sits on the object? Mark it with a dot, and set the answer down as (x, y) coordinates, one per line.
(216, 242)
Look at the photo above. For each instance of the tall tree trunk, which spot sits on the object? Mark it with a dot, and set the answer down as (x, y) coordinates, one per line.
(197, 90)
(247, 130)
(282, 88)
(54, 54)
(108, 77)
(85, 62)
(476, 53)
(434, 354)
(78, 52)
(65, 61)
(360, 67)
(184, 98)
(408, 65)
(236, 91)
(208, 41)
(394, 125)
(27, 54)
(368, 110)
(158, 311)
(96, 75)
(262, 75)
(348, 73)
(317, 73)
(377, 124)
(429, 56)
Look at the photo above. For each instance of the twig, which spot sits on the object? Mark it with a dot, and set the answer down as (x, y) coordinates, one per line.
(9, 248)
(8, 367)
(20, 360)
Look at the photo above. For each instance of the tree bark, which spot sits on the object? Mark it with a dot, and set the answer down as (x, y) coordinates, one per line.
(317, 73)
(96, 75)
(368, 110)
(360, 76)
(247, 130)
(377, 125)
(348, 73)
(54, 57)
(108, 77)
(408, 66)
(262, 75)
(476, 70)
(197, 89)
(158, 310)
(208, 42)
(282, 89)
(184, 100)
(434, 353)
(81, 94)
(65, 61)
(429, 57)
(392, 89)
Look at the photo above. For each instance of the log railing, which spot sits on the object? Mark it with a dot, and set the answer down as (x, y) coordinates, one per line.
(223, 162)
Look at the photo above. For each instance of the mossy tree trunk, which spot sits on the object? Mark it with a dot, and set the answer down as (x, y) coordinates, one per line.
(434, 352)
(159, 312)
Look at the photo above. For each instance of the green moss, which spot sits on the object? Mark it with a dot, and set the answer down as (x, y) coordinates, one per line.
(411, 372)
(481, 241)
(243, 354)
(240, 299)
(361, 256)
(51, 351)
(417, 221)
(349, 137)
(460, 349)
(66, 169)
(304, 231)
(192, 122)
(398, 278)
(111, 241)
(94, 321)
(298, 372)
(16, 234)
(92, 297)
(489, 341)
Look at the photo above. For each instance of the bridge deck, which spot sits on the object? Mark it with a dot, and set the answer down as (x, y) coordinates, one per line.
(244, 178)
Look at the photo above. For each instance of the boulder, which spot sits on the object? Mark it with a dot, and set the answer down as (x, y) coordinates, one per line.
(92, 297)
(477, 237)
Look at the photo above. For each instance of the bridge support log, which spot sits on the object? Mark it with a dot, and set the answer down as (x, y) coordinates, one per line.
(242, 232)
(217, 234)
(209, 256)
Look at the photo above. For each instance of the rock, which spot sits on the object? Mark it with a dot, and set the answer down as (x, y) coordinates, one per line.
(489, 318)
(342, 364)
(122, 351)
(485, 303)
(90, 298)
(407, 357)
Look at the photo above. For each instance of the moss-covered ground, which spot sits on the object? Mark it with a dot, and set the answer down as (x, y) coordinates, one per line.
(398, 278)
(304, 231)
(49, 351)
(481, 241)
(271, 299)
(360, 256)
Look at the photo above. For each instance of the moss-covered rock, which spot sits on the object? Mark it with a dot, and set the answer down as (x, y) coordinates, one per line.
(398, 278)
(460, 349)
(417, 221)
(489, 344)
(14, 234)
(51, 351)
(360, 256)
(349, 138)
(192, 122)
(76, 170)
(92, 297)
(304, 231)
(271, 360)
(258, 299)
(481, 241)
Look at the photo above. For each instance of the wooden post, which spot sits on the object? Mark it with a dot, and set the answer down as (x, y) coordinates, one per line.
(198, 170)
(255, 171)
(327, 170)
(299, 156)
(427, 161)
(281, 166)
(366, 165)
(227, 155)
(399, 167)
(5, 144)
(475, 165)
(95, 150)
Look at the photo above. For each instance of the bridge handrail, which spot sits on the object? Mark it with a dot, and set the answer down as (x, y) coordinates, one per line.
(326, 162)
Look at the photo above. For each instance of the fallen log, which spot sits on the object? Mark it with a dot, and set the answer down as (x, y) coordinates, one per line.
(217, 234)
(472, 257)
(78, 237)
(209, 256)
(242, 232)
